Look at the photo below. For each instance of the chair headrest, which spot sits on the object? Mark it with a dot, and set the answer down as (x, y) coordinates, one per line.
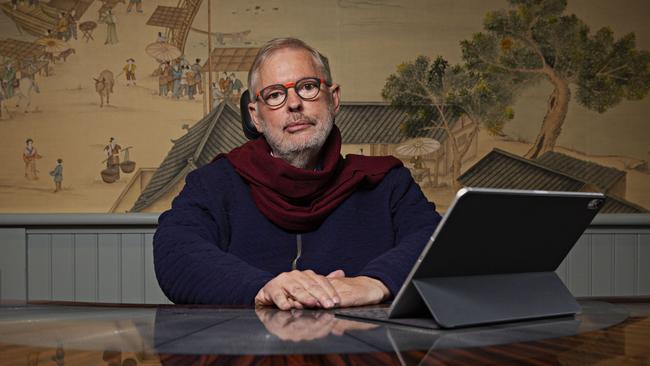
(247, 124)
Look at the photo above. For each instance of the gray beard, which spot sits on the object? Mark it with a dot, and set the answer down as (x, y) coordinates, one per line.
(299, 159)
(300, 154)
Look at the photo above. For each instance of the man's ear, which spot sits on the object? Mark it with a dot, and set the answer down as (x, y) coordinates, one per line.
(252, 111)
(335, 89)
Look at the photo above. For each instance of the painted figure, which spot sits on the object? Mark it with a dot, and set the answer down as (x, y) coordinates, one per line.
(164, 76)
(184, 70)
(196, 69)
(161, 38)
(177, 74)
(63, 27)
(9, 81)
(225, 84)
(57, 175)
(236, 84)
(138, 6)
(112, 151)
(2, 103)
(111, 27)
(217, 95)
(129, 70)
(191, 82)
(72, 24)
(30, 155)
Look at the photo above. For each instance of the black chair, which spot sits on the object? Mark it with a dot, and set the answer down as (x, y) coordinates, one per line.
(247, 124)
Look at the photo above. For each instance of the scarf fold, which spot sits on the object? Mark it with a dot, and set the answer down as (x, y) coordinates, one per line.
(300, 199)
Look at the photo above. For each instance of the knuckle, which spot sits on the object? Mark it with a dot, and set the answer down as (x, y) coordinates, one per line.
(314, 288)
(296, 289)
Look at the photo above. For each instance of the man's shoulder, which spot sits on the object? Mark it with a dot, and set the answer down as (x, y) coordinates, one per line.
(215, 170)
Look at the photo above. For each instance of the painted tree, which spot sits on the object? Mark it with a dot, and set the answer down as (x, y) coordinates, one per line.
(535, 40)
(434, 95)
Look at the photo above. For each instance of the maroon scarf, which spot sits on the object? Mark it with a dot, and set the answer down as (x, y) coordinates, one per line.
(299, 199)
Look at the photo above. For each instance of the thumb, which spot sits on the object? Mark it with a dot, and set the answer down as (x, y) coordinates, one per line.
(336, 274)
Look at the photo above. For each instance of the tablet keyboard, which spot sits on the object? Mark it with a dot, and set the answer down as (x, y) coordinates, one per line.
(367, 313)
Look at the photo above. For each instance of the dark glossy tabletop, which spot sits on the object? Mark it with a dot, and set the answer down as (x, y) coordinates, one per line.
(82, 334)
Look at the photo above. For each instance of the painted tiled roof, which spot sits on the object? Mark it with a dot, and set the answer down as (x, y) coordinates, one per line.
(598, 175)
(369, 123)
(20, 50)
(501, 169)
(196, 148)
(232, 59)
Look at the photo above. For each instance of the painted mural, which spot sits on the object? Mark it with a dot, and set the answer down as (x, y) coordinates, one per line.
(107, 104)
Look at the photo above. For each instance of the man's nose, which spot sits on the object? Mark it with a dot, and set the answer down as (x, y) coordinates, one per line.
(294, 102)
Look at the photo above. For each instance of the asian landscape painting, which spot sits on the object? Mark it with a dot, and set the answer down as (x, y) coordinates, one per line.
(106, 105)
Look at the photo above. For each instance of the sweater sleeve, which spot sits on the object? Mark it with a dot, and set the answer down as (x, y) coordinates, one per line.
(414, 221)
(191, 266)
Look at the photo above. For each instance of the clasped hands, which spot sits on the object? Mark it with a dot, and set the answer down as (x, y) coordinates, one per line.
(307, 289)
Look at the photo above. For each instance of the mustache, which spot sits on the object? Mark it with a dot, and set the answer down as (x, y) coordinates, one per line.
(296, 117)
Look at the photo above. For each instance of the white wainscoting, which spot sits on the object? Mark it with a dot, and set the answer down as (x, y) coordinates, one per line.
(109, 258)
(606, 263)
(109, 267)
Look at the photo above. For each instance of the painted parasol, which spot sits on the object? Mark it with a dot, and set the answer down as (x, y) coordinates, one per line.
(163, 51)
(53, 45)
(418, 147)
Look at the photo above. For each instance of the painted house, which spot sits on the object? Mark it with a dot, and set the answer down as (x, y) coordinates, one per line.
(501, 169)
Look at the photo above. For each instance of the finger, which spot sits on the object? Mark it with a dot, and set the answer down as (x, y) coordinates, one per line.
(336, 274)
(316, 288)
(297, 292)
(294, 290)
(324, 283)
(280, 299)
(263, 299)
(296, 304)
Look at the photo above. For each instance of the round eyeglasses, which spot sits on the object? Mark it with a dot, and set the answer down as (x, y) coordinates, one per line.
(306, 88)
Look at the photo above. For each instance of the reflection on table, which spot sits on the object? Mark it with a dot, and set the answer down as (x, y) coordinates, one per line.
(174, 335)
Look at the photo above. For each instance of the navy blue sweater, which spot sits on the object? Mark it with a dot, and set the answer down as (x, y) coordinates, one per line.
(215, 247)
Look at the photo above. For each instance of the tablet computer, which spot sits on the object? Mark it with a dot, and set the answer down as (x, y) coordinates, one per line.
(492, 259)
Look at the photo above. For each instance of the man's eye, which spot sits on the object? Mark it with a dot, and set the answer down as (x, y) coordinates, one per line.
(308, 86)
(275, 95)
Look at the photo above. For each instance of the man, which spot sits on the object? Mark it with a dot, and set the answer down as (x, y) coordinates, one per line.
(9, 80)
(30, 155)
(225, 84)
(177, 75)
(184, 80)
(129, 71)
(63, 27)
(111, 27)
(198, 79)
(161, 38)
(72, 23)
(57, 175)
(236, 84)
(164, 76)
(284, 220)
(112, 151)
(191, 82)
(138, 6)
